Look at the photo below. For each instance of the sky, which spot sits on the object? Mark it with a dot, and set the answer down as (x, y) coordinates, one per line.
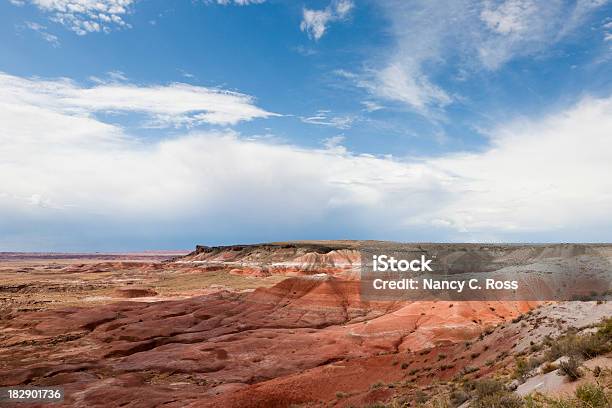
(146, 124)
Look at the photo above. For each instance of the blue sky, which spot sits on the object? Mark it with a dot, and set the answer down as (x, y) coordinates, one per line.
(161, 124)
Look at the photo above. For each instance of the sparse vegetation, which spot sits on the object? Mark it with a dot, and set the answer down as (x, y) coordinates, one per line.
(420, 397)
(592, 395)
(458, 397)
(468, 370)
(570, 368)
(491, 393)
(524, 366)
(586, 345)
(586, 396)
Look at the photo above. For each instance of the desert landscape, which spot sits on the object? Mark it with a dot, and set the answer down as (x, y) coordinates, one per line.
(313, 204)
(283, 324)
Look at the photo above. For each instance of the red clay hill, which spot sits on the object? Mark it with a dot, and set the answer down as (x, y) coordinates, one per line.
(260, 325)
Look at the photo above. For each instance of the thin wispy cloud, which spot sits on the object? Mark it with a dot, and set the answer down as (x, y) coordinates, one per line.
(175, 105)
(239, 2)
(430, 37)
(326, 118)
(42, 31)
(315, 22)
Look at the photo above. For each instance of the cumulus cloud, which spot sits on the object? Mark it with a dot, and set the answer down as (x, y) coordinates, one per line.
(84, 16)
(315, 22)
(474, 35)
(60, 166)
(543, 174)
(176, 104)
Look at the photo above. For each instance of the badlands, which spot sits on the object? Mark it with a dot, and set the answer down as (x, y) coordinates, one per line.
(285, 324)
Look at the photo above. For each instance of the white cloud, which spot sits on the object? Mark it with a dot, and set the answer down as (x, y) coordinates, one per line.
(315, 22)
(547, 175)
(544, 174)
(324, 118)
(407, 85)
(471, 34)
(607, 31)
(371, 106)
(84, 16)
(508, 17)
(42, 31)
(240, 2)
(334, 144)
(171, 105)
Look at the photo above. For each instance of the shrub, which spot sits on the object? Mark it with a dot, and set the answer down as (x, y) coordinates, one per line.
(587, 346)
(605, 328)
(458, 397)
(597, 371)
(340, 394)
(404, 366)
(468, 370)
(420, 397)
(585, 396)
(523, 367)
(491, 393)
(487, 387)
(592, 395)
(441, 356)
(570, 368)
(499, 400)
(535, 348)
(376, 405)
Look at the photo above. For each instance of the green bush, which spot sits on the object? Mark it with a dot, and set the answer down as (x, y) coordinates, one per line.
(592, 395)
(585, 396)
